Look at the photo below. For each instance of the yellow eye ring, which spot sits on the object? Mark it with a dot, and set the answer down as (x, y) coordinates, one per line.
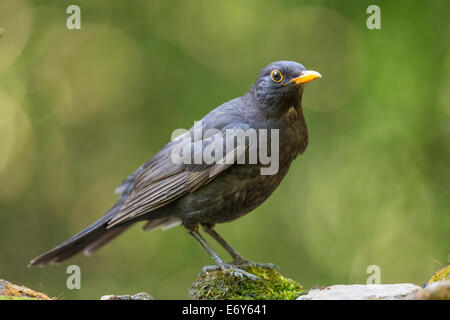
(276, 76)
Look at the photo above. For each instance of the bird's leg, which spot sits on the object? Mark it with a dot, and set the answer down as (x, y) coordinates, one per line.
(237, 258)
(228, 268)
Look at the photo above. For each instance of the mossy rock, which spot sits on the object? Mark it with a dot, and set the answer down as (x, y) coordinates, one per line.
(443, 274)
(219, 285)
(438, 290)
(9, 291)
(16, 298)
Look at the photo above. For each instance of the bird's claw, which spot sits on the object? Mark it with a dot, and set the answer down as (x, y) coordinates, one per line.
(231, 270)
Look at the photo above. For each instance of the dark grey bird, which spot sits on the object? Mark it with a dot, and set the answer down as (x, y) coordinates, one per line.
(164, 192)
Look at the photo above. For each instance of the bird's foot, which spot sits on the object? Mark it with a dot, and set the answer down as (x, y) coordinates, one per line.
(231, 270)
(241, 262)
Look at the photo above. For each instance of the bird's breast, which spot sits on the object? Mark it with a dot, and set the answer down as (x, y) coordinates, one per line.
(293, 134)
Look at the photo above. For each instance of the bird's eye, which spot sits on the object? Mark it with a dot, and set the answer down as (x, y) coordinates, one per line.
(276, 76)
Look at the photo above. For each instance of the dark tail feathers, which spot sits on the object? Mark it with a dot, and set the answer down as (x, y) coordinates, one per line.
(90, 239)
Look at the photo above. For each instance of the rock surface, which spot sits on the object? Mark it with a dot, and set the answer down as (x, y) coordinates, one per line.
(362, 292)
(137, 296)
(438, 290)
(9, 291)
(220, 285)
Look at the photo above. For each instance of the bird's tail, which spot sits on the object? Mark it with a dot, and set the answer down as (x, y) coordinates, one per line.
(90, 239)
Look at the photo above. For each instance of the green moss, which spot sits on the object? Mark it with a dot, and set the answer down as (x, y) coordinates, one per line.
(218, 285)
(443, 274)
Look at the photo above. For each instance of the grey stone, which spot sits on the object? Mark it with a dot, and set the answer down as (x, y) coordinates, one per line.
(137, 296)
(362, 292)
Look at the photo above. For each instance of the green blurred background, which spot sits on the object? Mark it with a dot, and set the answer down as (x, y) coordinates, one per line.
(81, 109)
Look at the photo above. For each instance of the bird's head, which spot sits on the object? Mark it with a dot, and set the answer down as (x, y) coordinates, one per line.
(280, 84)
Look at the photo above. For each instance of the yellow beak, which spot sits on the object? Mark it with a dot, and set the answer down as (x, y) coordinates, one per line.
(305, 77)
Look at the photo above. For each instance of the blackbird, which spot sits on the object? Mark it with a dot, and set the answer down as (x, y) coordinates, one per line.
(165, 193)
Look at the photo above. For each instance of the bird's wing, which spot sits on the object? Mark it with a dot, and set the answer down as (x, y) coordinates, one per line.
(162, 180)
